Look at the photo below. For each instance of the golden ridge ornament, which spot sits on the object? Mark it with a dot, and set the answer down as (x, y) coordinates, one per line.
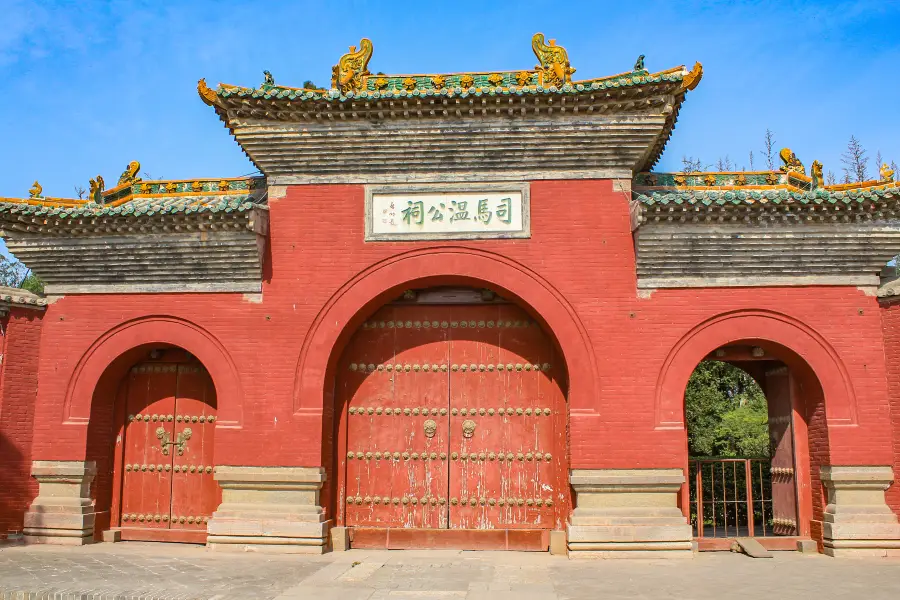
(555, 68)
(130, 175)
(352, 68)
(35, 190)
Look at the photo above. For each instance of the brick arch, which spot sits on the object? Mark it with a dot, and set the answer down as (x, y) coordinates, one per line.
(113, 350)
(790, 340)
(383, 281)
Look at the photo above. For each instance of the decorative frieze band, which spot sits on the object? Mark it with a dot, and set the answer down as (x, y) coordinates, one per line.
(490, 412)
(155, 518)
(446, 324)
(432, 501)
(165, 368)
(177, 468)
(176, 418)
(472, 456)
(407, 367)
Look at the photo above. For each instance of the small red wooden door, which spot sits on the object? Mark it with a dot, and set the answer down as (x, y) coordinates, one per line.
(168, 490)
(779, 391)
(453, 420)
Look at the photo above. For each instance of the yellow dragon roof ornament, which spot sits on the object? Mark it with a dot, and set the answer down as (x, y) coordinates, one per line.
(352, 69)
(554, 68)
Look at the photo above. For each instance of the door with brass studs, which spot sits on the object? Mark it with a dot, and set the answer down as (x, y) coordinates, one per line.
(167, 488)
(455, 420)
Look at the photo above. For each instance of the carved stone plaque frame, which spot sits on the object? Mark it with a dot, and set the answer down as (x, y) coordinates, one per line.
(467, 192)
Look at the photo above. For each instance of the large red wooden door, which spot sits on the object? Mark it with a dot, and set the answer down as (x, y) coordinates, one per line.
(779, 384)
(167, 488)
(455, 421)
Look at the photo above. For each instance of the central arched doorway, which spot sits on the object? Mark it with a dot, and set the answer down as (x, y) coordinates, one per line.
(452, 427)
(165, 415)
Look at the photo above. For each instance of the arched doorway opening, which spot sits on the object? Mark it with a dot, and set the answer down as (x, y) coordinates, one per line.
(451, 425)
(747, 420)
(154, 445)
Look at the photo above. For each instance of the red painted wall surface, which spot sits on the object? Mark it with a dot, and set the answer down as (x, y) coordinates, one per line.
(578, 272)
(18, 390)
(891, 315)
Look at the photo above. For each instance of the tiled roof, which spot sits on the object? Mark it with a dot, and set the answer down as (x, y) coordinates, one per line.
(147, 198)
(773, 195)
(505, 83)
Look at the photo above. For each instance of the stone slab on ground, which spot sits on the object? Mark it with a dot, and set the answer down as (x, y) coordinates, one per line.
(139, 571)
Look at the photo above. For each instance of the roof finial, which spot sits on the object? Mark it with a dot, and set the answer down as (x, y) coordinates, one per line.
(131, 174)
(554, 69)
(887, 173)
(96, 192)
(816, 172)
(639, 64)
(268, 80)
(209, 96)
(35, 190)
(791, 164)
(692, 78)
(350, 73)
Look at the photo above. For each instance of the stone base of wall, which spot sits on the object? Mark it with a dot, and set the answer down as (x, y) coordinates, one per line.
(269, 509)
(857, 519)
(63, 511)
(628, 513)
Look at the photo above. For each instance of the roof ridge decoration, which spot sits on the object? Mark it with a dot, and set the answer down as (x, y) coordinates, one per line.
(351, 79)
(350, 73)
(555, 68)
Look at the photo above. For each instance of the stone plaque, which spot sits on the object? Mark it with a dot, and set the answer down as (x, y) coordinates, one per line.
(477, 211)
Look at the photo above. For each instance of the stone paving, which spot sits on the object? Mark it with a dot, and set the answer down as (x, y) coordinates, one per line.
(175, 571)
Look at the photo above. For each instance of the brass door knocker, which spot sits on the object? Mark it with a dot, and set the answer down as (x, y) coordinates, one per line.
(430, 428)
(180, 440)
(468, 428)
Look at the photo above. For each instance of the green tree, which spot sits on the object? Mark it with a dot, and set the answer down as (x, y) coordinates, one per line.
(726, 412)
(16, 275)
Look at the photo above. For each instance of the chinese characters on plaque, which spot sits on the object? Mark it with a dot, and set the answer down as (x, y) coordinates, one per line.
(448, 215)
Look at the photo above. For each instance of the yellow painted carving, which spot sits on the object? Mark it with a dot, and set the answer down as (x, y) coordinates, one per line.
(131, 173)
(381, 83)
(466, 81)
(816, 171)
(496, 78)
(791, 164)
(438, 81)
(352, 69)
(887, 173)
(693, 77)
(741, 179)
(35, 190)
(96, 189)
(208, 95)
(710, 179)
(196, 186)
(554, 68)
(680, 179)
(409, 83)
(223, 186)
(523, 77)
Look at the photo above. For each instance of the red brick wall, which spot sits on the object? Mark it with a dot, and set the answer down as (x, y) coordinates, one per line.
(891, 316)
(581, 251)
(18, 390)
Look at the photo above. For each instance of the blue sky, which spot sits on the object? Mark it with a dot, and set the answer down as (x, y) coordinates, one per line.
(89, 86)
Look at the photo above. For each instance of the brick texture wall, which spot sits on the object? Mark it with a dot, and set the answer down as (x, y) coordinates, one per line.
(581, 248)
(891, 315)
(18, 390)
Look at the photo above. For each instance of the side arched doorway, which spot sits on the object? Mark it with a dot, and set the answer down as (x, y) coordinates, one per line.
(451, 426)
(162, 465)
(751, 476)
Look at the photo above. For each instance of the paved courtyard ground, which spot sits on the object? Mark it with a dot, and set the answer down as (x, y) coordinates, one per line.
(162, 571)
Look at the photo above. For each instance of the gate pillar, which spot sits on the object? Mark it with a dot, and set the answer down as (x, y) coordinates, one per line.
(857, 519)
(270, 509)
(628, 513)
(63, 511)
